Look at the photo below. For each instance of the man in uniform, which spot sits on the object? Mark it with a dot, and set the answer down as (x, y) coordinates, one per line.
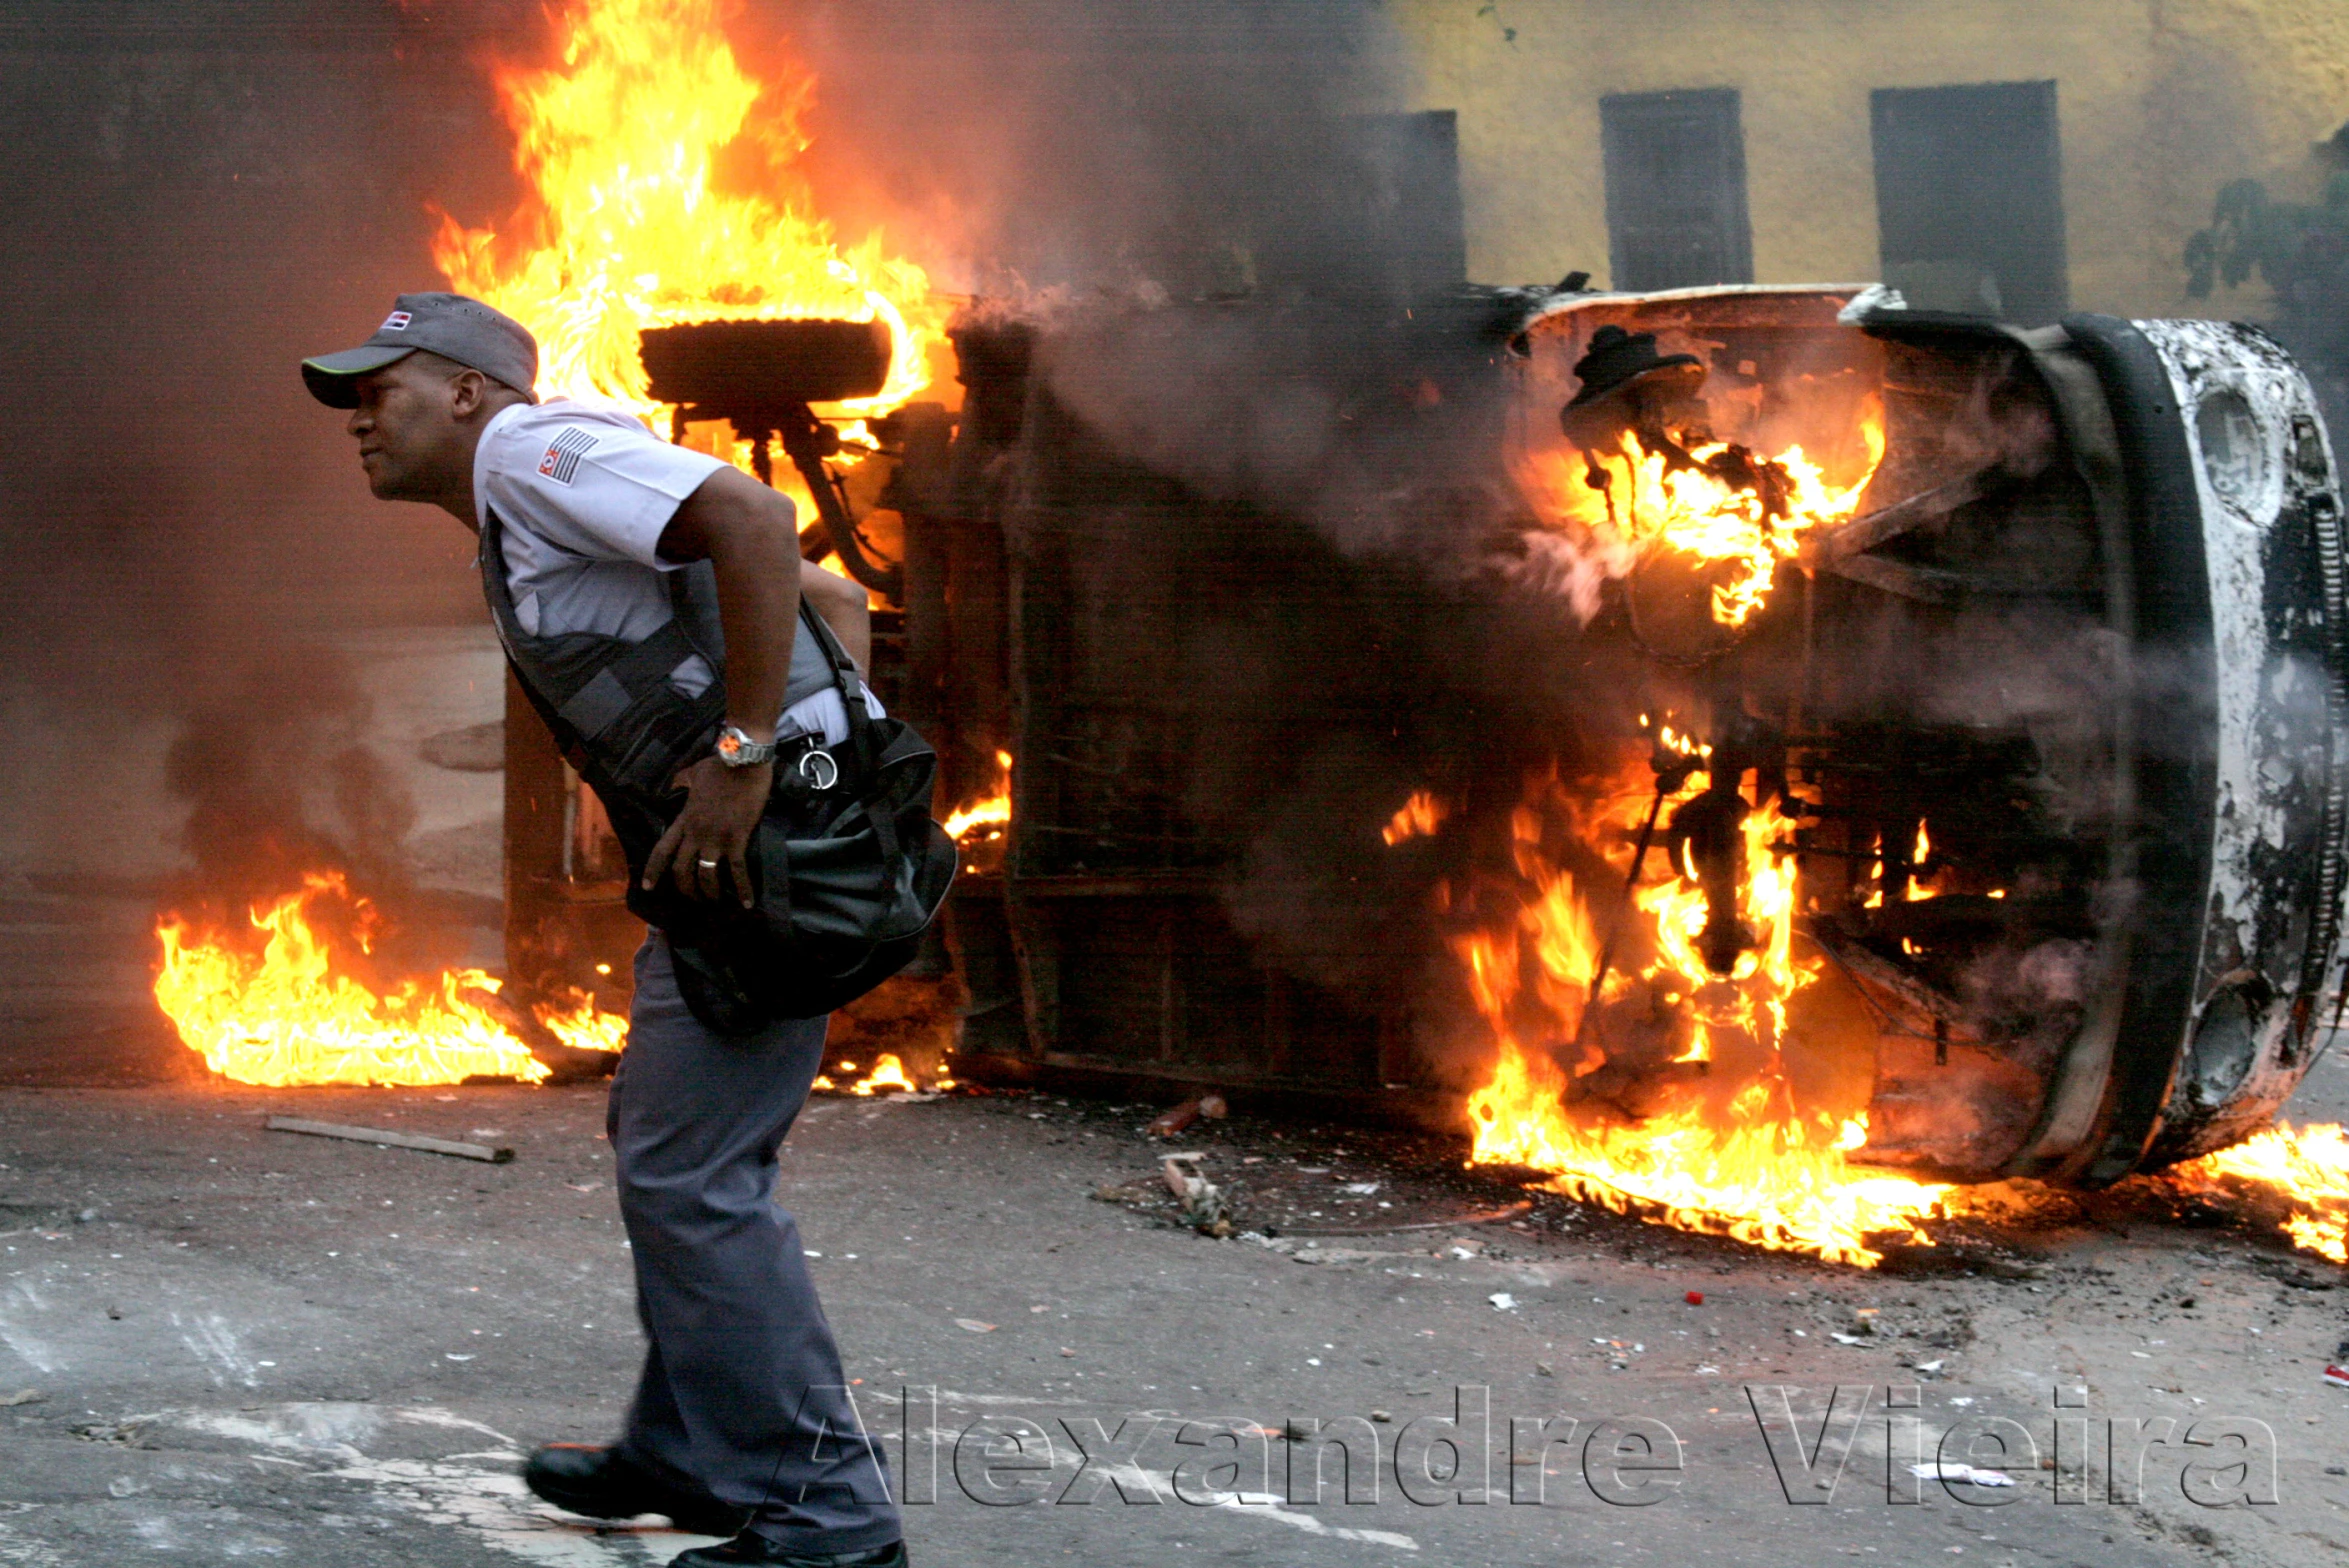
(741, 1424)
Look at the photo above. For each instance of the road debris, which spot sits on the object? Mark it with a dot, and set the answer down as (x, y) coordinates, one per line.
(1502, 1301)
(1167, 1123)
(394, 1140)
(1951, 1470)
(974, 1325)
(1204, 1208)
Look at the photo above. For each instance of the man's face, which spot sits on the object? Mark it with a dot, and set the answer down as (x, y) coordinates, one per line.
(410, 430)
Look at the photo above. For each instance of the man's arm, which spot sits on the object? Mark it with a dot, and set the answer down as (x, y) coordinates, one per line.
(844, 607)
(744, 530)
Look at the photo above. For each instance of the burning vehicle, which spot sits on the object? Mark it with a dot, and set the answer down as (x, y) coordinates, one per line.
(1830, 752)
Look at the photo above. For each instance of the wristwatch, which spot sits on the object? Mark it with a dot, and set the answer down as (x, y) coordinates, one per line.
(737, 750)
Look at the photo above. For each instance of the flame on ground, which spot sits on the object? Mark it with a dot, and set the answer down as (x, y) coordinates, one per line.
(888, 1076)
(581, 1025)
(1768, 1177)
(630, 225)
(2305, 1167)
(1730, 1159)
(283, 1015)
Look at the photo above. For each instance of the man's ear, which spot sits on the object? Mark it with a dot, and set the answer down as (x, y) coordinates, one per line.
(467, 389)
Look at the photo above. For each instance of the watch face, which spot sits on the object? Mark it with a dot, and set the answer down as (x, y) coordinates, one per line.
(729, 745)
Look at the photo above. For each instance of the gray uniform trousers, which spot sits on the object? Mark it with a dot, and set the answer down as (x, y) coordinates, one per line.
(742, 1390)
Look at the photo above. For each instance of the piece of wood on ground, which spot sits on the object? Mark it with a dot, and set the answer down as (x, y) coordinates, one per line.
(394, 1140)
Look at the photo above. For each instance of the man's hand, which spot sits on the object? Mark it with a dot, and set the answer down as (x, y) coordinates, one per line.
(712, 831)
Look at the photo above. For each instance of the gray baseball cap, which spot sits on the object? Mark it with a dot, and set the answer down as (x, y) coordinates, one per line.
(449, 325)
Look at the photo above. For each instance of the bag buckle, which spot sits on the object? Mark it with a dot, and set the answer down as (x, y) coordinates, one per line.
(817, 766)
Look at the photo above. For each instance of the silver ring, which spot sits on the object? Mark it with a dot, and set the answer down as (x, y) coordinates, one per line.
(707, 865)
(819, 767)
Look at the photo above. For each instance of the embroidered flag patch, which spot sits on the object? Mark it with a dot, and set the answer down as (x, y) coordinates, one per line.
(563, 454)
(397, 321)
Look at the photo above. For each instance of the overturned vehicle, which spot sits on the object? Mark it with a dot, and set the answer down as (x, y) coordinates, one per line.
(1739, 708)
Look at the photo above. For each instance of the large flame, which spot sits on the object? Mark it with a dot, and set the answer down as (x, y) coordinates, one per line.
(276, 1008)
(1736, 1159)
(629, 223)
(2307, 1168)
(1651, 503)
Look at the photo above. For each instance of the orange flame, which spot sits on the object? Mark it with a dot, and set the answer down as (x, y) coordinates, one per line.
(1650, 505)
(581, 1025)
(888, 1074)
(283, 1016)
(1419, 816)
(991, 811)
(629, 225)
(980, 827)
(2306, 1167)
(1735, 1159)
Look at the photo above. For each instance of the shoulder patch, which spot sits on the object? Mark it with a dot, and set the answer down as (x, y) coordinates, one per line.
(563, 453)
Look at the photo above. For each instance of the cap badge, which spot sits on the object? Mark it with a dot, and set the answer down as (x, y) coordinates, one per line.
(397, 321)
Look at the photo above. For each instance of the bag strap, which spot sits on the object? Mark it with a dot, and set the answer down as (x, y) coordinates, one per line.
(861, 739)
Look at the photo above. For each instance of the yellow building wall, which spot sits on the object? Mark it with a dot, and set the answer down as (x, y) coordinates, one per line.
(2160, 102)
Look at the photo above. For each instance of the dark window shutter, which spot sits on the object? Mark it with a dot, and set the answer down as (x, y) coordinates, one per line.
(1969, 198)
(1676, 213)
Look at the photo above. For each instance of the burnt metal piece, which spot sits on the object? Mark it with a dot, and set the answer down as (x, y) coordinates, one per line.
(762, 370)
(1947, 1015)
(1627, 385)
(1710, 832)
(760, 377)
(1888, 523)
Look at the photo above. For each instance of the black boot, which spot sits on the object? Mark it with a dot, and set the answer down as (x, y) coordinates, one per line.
(753, 1550)
(603, 1484)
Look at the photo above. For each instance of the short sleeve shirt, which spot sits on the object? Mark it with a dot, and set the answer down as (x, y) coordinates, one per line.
(583, 492)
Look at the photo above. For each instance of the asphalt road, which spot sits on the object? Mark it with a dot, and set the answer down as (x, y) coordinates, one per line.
(248, 1345)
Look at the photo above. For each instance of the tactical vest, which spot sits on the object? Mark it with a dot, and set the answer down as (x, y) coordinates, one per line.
(847, 867)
